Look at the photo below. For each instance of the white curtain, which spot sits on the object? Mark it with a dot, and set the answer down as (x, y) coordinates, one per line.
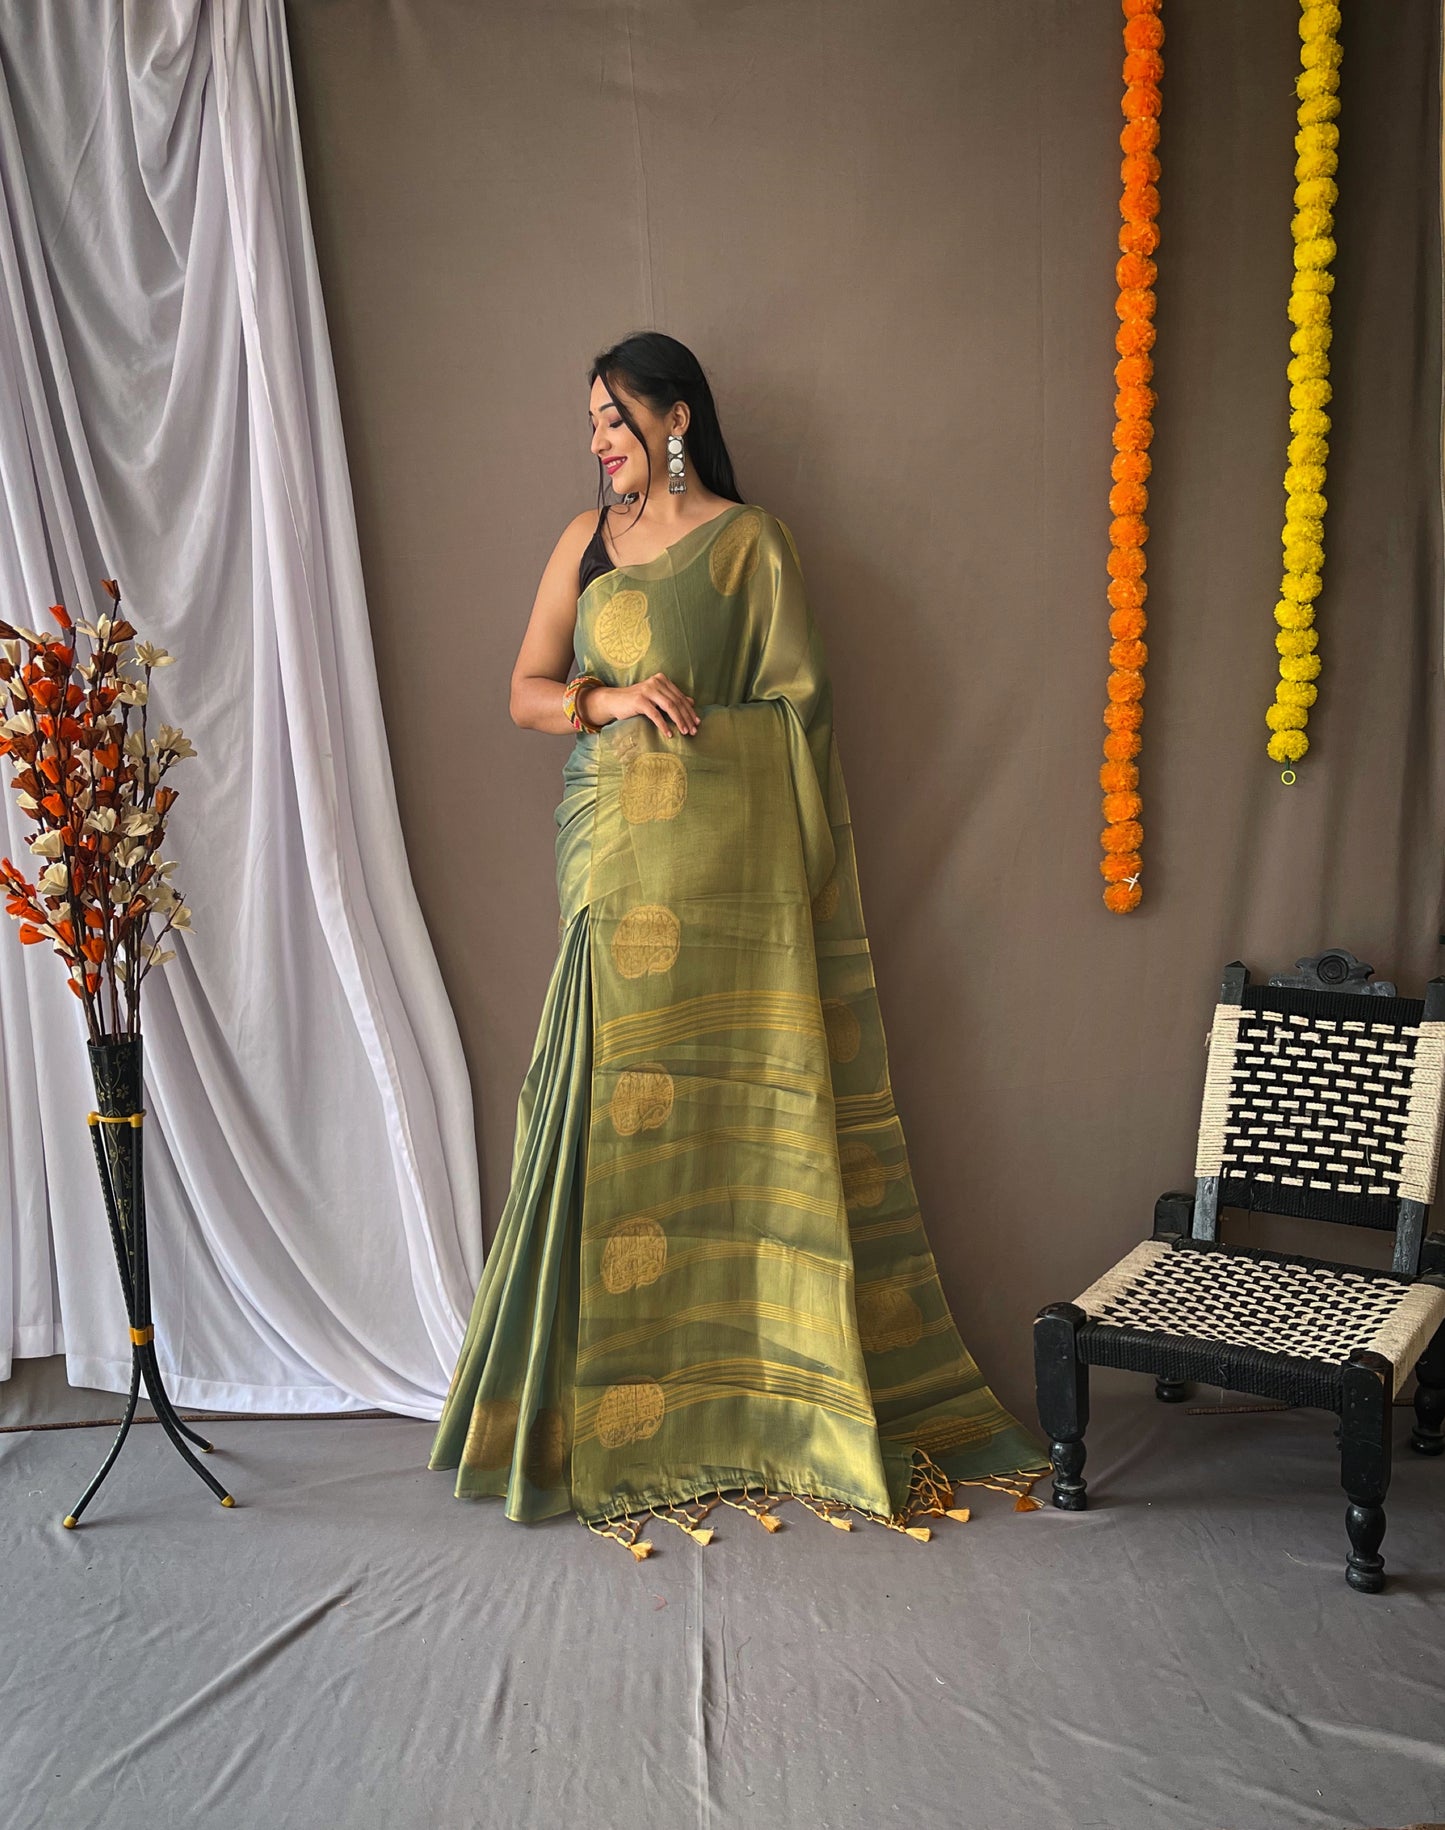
(168, 416)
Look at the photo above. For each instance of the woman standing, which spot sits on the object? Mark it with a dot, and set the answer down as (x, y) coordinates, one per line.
(711, 1280)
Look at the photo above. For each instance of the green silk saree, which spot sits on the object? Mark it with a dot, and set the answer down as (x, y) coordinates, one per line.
(711, 1274)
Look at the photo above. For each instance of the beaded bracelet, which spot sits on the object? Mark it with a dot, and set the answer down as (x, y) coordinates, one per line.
(569, 702)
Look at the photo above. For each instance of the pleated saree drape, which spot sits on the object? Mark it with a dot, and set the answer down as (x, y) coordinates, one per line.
(711, 1273)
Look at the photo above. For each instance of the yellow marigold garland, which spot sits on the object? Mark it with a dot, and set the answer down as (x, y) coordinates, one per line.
(1309, 395)
(1123, 835)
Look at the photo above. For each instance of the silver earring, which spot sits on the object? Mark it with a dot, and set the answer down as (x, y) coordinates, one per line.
(676, 482)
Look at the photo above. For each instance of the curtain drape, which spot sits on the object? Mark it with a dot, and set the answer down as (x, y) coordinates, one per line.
(168, 416)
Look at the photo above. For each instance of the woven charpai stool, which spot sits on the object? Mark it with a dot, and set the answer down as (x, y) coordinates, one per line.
(1325, 1104)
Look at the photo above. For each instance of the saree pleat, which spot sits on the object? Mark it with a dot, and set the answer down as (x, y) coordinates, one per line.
(712, 1273)
(509, 1437)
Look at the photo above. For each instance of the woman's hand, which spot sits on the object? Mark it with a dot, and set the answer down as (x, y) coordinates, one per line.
(656, 698)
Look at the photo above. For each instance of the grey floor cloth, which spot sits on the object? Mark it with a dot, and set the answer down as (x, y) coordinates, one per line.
(353, 1647)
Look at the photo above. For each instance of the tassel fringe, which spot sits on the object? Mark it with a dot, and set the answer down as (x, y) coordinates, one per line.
(930, 1496)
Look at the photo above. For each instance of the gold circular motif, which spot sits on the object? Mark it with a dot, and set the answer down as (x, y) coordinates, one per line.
(653, 788)
(887, 1319)
(825, 903)
(734, 555)
(544, 1461)
(646, 940)
(635, 1253)
(844, 1036)
(641, 1099)
(630, 1413)
(623, 632)
(863, 1177)
(492, 1433)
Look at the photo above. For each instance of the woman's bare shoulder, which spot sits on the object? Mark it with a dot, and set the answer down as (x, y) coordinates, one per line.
(580, 528)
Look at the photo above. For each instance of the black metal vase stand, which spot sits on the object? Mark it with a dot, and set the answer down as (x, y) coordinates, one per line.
(117, 1134)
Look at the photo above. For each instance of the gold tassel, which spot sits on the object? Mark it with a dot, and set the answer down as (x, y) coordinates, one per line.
(755, 1509)
(1019, 1487)
(688, 1517)
(930, 1493)
(625, 1531)
(825, 1509)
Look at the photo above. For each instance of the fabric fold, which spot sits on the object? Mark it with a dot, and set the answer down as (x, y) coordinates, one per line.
(168, 416)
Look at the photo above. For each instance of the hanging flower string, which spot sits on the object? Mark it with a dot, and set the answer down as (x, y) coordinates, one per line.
(1315, 195)
(1123, 835)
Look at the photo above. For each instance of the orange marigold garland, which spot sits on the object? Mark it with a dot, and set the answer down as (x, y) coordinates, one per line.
(1123, 835)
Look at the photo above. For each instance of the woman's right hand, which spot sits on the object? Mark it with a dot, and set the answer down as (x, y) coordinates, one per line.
(656, 698)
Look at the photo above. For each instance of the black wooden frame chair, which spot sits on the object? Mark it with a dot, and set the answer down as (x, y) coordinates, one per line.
(1323, 1103)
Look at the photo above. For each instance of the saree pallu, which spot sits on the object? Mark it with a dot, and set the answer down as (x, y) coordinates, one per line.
(711, 1273)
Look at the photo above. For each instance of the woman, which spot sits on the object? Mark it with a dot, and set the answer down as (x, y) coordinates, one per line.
(711, 1280)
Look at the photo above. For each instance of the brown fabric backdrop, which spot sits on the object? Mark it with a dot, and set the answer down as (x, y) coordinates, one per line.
(889, 234)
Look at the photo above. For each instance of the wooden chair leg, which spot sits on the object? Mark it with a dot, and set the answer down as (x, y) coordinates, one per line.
(1426, 1438)
(1062, 1380)
(1171, 1391)
(1365, 1400)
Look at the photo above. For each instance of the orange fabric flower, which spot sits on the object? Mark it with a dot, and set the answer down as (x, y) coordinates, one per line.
(1120, 807)
(1133, 371)
(1134, 270)
(1139, 203)
(1140, 135)
(1127, 625)
(1134, 303)
(1118, 777)
(1128, 498)
(1139, 168)
(1135, 402)
(1143, 33)
(1128, 835)
(1129, 655)
(1127, 593)
(1116, 865)
(1126, 562)
(1123, 898)
(1123, 715)
(1139, 237)
(1128, 530)
(1131, 467)
(1143, 67)
(1133, 434)
(1134, 337)
(1123, 746)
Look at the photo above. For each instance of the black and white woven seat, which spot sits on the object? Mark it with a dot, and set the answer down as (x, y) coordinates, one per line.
(1322, 1103)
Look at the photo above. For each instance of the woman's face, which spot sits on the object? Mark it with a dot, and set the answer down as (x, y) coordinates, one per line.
(623, 455)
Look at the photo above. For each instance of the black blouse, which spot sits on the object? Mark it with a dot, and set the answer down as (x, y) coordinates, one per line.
(595, 558)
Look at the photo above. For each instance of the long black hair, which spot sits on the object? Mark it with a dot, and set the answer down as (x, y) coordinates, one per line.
(658, 369)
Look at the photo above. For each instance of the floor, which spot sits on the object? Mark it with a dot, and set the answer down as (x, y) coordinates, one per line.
(352, 1646)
